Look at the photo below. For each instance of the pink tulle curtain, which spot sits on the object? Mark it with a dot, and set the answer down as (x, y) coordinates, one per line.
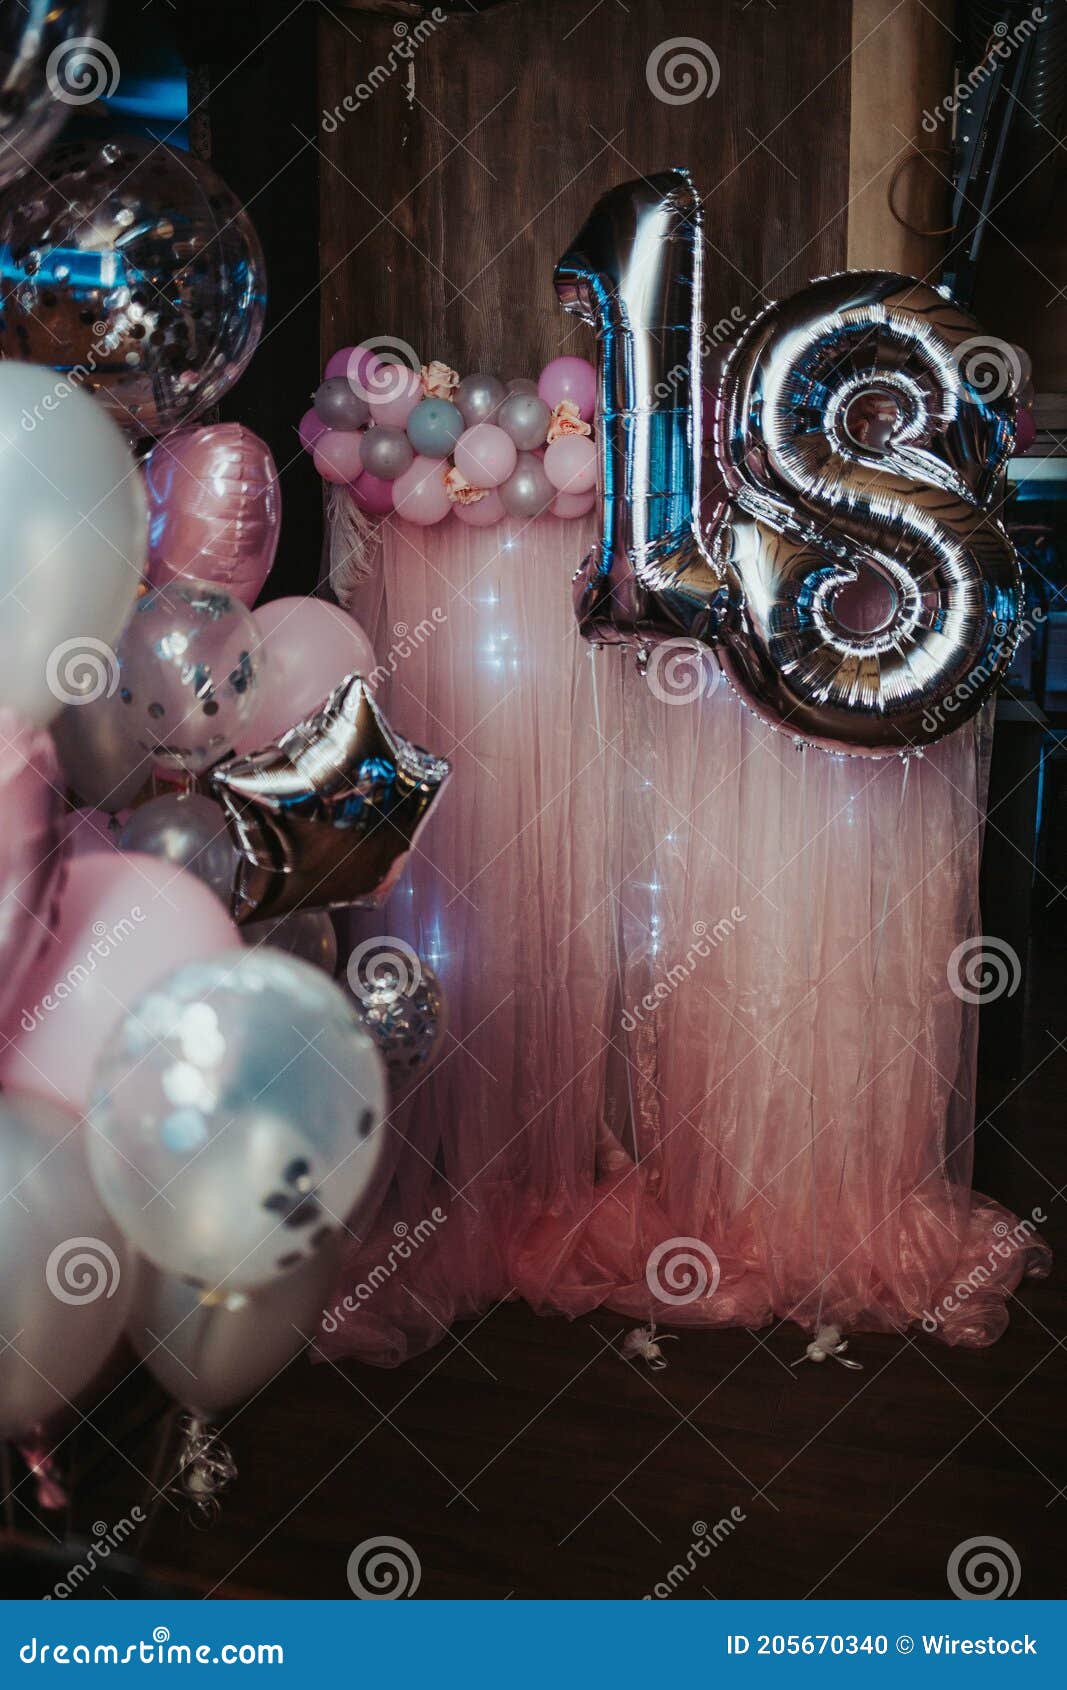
(705, 1061)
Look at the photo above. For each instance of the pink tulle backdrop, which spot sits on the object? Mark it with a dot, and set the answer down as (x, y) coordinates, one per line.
(698, 982)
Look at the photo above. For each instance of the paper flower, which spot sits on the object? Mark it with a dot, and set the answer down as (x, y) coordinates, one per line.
(438, 381)
(460, 490)
(566, 419)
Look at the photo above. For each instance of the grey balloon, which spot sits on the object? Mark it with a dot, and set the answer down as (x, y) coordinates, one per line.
(189, 831)
(522, 384)
(478, 397)
(209, 1354)
(434, 426)
(527, 491)
(526, 418)
(98, 754)
(386, 452)
(65, 1280)
(339, 406)
(308, 934)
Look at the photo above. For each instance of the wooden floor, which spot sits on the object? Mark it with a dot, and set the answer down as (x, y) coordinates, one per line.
(524, 1458)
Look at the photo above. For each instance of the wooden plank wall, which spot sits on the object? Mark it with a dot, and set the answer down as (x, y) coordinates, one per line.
(449, 192)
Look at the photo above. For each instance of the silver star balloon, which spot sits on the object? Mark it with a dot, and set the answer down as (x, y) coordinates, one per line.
(326, 816)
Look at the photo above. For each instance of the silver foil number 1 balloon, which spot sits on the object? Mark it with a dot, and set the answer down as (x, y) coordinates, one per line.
(860, 592)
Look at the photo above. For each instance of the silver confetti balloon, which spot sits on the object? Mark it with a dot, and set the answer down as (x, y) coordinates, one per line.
(401, 1004)
(51, 62)
(189, 831)
(862, 593)
(131, 267)
(188, 662)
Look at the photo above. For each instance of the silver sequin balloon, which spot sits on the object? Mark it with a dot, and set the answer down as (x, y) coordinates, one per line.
(862, 593)
(401, 1004)
(131, 267)
(51, 62)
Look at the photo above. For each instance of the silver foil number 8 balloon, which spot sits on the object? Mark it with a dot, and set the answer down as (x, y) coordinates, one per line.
(859, 590)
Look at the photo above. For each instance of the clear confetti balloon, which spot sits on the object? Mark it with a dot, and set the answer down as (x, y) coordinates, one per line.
(134, 265)
(236, 1118)
(401, 1004)
(188, 662)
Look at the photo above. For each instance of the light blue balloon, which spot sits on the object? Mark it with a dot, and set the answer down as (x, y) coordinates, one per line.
(434, 426)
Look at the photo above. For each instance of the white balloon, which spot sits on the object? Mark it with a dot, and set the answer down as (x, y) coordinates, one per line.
(65, 1279)
(209, 1354)
(72, 542)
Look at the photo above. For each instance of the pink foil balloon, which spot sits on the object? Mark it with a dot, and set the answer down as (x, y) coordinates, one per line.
(483, 513)
(420, 495)
(337, 456)
(372, 494)
(570, 463)
(214, 509)
(392, 391)
(571, 505)
(486, 455)
(125, 920)
(31, 852)
(306, 648)
(1025, 428)
(312, 428)
(569, 378)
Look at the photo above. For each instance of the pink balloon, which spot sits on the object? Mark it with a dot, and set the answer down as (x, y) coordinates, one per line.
(31, 851)
(1025, 428)
(372, 494)
(214, 509)
(125, 920)
(337, 364)
(306, 648)
(420, 495)
(392, 391)
(483, 513)
(570, 463)
(311, 429)
(486, 455)
(91, 830)
(569, 378)
(571, 505)
(337, 456)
